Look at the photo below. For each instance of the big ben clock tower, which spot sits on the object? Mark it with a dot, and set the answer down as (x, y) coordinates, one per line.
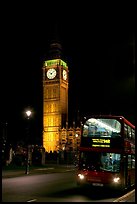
(55, 97)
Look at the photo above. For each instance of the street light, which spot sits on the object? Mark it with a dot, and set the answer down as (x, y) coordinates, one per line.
(28, 114)
(76, 147)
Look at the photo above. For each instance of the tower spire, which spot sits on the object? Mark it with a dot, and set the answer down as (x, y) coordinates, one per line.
(55, 48)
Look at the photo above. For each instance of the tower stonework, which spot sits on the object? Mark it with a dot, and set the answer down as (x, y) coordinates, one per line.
(55, 98)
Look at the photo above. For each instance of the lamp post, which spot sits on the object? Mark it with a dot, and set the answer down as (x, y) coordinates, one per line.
(76, 148)
(28, 114)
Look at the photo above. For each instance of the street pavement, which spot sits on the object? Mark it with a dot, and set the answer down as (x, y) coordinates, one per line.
(55, 168)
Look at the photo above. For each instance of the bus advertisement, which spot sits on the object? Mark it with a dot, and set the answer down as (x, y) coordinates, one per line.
(107, 152)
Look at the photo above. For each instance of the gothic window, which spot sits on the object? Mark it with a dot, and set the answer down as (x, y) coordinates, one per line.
(49, 107)
(54, 93)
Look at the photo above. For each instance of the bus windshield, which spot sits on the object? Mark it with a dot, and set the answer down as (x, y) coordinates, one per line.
(100, 161)
(102, 128)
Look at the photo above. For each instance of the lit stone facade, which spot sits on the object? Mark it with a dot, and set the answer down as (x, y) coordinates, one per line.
(56, 134)
(55, 100)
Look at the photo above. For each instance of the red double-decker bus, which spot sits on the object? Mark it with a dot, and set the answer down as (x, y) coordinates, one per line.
(107, 152)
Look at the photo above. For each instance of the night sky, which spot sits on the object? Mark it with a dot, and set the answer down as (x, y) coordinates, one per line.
(99, 51)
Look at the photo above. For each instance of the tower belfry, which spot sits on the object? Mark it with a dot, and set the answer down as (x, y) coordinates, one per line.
(55, 50)
(55, 97)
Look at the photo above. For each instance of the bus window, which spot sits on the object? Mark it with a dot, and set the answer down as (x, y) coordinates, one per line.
(100, 161)
(111, 162)
(125, 130)
(133, 134)
(129, 132)
(85, 131)
(101, 128)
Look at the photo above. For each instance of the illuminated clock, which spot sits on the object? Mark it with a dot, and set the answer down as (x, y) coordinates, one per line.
(64, 74)
(51, 73)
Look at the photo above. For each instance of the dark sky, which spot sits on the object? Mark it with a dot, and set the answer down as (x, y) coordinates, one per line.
(97, 46)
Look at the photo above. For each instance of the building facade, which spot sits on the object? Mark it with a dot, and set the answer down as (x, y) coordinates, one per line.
(57, 136)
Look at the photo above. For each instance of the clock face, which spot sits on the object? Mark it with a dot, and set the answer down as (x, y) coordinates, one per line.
(64, 74)
(51, 73)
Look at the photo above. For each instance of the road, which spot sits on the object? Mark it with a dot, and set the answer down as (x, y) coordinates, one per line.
(50, 187)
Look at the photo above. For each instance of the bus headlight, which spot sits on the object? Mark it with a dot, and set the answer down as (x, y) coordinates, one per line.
(81, 176)
(116, 179)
